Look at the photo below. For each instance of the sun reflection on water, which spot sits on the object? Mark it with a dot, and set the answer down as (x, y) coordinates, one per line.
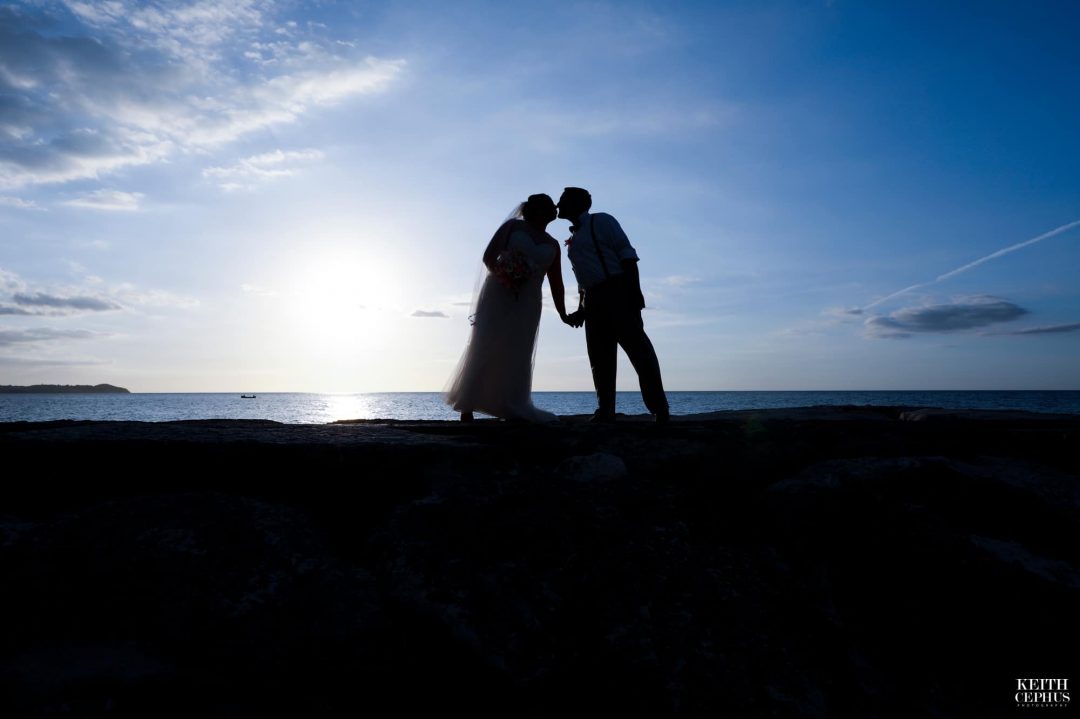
(348, 406)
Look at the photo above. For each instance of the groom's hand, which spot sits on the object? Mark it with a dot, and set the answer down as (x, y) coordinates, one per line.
(575, 319)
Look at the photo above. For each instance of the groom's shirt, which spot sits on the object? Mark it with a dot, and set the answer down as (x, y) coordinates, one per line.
(612, 241)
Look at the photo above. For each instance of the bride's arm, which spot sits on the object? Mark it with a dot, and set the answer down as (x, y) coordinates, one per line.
(555, 281)
(492, 252)
(497, 245)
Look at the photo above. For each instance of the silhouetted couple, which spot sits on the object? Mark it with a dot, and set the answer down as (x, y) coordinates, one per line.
(494, 375)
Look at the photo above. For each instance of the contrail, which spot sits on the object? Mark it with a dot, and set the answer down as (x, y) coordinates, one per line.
(953, 273)
(1007, 250)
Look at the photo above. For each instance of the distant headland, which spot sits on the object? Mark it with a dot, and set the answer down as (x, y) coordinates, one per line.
(63, 389)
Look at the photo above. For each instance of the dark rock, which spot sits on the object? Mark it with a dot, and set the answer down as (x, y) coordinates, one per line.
(599, 466)
(935, 414)
(823, 562)
(596, 598)
(232, 595)
(928, 564)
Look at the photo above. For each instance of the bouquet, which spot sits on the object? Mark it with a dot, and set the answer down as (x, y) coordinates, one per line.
(513, 269)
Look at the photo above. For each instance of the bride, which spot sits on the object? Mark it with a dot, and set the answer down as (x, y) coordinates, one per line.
(494, 375)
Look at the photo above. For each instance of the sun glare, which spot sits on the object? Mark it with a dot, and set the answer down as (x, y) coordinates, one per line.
(344, 303)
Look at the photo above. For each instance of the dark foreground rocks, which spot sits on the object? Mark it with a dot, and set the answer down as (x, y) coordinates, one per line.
(851, 562)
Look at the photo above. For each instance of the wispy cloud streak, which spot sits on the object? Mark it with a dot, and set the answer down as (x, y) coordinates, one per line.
(18, 297)
(1045, 329)
(41, 299)
(108, 200)
(9, 337)
(246, 173)
(19, 203)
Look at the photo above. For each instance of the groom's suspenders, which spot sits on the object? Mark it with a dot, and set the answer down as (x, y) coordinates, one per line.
(599, 254)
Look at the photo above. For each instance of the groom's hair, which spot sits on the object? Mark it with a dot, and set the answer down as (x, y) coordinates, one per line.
(578, 195)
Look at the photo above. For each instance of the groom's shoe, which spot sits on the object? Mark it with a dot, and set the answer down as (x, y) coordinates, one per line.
(662, 417)
(602, 417)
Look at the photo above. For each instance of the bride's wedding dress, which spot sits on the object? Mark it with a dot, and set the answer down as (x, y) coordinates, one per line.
(494, 375)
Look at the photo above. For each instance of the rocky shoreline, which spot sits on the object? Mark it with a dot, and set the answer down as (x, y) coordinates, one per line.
(821, 562)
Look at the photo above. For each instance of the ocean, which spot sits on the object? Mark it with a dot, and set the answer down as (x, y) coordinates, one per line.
(308, 408)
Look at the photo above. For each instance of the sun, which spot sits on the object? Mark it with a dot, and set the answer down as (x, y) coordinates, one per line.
(344, 302)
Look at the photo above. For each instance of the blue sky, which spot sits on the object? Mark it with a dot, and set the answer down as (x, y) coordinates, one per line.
(289, 196)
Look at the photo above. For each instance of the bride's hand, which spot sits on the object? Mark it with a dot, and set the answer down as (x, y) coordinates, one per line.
(574, 319)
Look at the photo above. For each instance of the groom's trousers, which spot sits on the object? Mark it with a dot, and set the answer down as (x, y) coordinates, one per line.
(611, 322)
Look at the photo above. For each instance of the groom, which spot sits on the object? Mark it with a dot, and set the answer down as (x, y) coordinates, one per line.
(606, 269)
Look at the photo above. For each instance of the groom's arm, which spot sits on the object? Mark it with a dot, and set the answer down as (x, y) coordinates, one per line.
(613, 235)
(630, 270)
(628, 259)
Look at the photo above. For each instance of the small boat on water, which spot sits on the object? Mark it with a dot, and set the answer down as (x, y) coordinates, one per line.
(247, 396)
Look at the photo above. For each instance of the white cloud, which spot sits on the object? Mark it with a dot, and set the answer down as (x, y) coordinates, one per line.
(191, 32)
(108, 200)
(147, 81)
(10, 282)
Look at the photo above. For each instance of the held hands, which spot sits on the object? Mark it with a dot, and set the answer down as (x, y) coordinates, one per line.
(575, 319)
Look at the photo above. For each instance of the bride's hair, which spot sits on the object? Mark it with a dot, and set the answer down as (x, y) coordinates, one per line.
(536, 206)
